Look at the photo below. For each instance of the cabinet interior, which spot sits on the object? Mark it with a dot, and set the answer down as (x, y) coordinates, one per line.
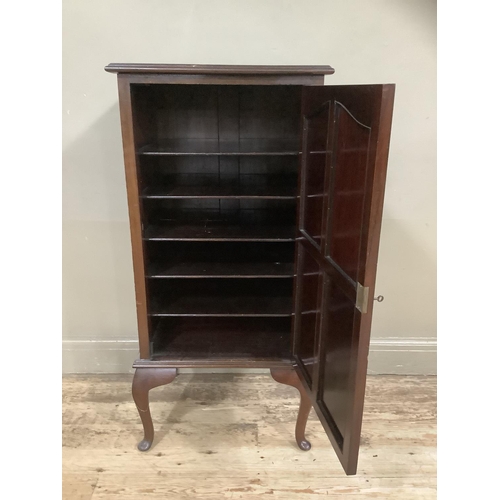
(217, 173)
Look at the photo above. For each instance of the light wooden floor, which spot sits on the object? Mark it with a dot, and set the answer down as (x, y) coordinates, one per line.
(231, 436)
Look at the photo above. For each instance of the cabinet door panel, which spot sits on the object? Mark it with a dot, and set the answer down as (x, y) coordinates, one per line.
(314, 174)
(307, 313)
(339, 233)
(333, 395)
(347, 195)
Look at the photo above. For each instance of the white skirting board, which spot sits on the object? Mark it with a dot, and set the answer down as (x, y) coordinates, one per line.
(403, 356)
(398, 356)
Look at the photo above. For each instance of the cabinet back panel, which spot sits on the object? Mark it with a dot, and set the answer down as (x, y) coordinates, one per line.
(212, 170)
(228, 157)
(220, 288)
(217, 113)
(215, 339)
(233, 212)
(251, 252)
(220, 297)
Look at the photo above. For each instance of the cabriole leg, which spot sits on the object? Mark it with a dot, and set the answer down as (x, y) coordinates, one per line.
(290, 377)
(146, 379)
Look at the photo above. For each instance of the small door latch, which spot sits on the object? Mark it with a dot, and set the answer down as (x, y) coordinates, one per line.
(362, 297)
(379, 298)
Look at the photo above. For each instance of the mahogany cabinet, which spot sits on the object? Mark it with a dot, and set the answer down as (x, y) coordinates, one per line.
(255, 198)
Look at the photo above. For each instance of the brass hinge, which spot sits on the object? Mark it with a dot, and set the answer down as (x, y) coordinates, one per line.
(362, 293)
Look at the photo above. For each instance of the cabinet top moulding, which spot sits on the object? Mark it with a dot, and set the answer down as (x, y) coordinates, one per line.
(214, 74)
(218, 69)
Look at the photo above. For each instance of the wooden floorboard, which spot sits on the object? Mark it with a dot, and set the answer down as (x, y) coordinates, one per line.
(231, 436)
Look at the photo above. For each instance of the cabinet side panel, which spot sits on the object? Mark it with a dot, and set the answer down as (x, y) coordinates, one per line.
(134, 208)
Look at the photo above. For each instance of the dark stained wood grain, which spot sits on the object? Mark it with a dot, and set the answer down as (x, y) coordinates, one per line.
(135, 212)
(374, 202)
(217, 69)
(216, 147)
(224, 191)
(221, 297)
(218, 232)
(200, 269)
(314, 174)
(164, 255)
(307, 313)
(211, 119)
(224, 80)
(211, 157)
(221, 305)
(230, 361)
(290, 377)
(344, 241)
(146, 379)
(222, 339)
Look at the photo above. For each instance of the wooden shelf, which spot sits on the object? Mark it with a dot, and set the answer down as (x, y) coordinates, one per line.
(192, 305)
(224, 339)
(250, 147)
(221, 270)
(283, 192)
(218, 232)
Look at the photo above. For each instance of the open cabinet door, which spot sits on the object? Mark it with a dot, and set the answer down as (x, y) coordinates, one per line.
(345, 147)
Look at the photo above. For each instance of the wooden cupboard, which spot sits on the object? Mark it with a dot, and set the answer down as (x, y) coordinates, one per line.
(255, 197)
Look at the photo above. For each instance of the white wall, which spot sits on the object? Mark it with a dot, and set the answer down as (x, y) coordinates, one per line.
(366, 41)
